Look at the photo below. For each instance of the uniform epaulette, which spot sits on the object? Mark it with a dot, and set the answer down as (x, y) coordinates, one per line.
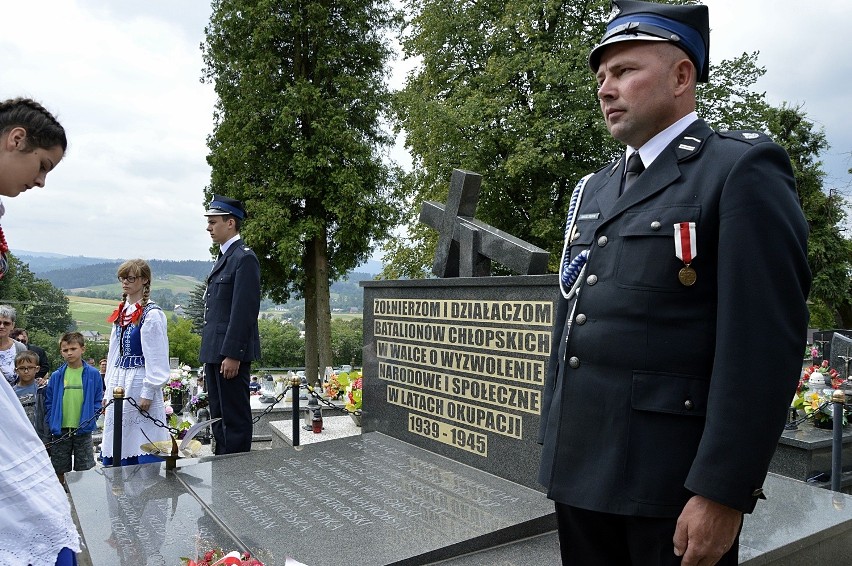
(748, 136)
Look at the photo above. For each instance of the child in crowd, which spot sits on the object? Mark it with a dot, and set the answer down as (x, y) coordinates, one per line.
(74, 395)
(29, 393)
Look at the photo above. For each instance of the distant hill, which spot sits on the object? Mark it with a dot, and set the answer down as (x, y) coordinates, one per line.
(97, 274)
(42, 262)
(95, 277)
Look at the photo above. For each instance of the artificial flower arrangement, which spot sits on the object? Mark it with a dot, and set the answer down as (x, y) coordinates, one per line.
(817, 406)
(354, 391)
(218, 558)
(178, 381)
(176, 422)
(198, 401)
(334, 389)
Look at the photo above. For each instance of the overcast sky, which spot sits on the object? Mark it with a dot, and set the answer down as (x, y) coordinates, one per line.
(123, 77)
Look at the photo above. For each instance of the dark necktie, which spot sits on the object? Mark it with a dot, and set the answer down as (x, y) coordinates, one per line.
(633, 170)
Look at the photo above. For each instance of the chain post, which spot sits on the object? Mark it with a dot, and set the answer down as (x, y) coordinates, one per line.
(295, 382)
(838, 399)
(117, 414)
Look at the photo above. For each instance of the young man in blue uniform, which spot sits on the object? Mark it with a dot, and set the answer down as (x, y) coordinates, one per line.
(684, 262)
(230, 339)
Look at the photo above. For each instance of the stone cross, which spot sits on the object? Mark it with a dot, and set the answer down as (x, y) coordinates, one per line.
(466, 246)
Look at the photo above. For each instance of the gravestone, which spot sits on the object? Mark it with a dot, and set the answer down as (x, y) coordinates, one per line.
(841, 354)
(823, 340)
(457, 367)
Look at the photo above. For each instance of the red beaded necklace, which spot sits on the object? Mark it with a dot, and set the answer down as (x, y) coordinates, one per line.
(4, 249)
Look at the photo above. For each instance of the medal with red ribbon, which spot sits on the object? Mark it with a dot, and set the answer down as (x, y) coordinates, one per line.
(685, 249)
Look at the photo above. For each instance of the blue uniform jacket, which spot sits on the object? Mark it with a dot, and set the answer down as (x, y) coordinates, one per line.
(657, 390)
(93, 393)
(231, 306)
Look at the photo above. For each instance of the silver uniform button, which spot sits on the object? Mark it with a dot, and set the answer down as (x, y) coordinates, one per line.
(602, 241)
(688, 405)
(581, 319)
(591, 279)
(655, 225)
(574, 362)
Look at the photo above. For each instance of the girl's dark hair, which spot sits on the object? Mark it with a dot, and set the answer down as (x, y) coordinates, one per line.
(43, 130)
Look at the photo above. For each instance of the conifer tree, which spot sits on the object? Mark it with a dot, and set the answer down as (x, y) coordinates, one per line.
(298, 138)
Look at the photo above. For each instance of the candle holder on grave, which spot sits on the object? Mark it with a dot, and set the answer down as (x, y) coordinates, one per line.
(308, 413)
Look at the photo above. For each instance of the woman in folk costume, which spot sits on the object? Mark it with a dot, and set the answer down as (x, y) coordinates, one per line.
(36, 527)
(138, 361)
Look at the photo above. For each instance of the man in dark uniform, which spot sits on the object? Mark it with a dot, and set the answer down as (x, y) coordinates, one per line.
(682, 265)
(229, 339)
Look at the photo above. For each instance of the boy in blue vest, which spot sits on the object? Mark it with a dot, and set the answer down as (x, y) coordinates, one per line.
(72, 401)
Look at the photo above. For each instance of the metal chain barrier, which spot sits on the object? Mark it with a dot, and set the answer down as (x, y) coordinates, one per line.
(331, 405)
(173, 431)
(793, 424)
(270, 407)
(84, 424)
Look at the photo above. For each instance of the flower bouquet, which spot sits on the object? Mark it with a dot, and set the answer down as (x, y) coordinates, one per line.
(354, 393)
(218, 558)
(334, 389)
(178, 382)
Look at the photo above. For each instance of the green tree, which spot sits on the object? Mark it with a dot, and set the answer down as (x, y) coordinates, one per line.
(280, 344)
(829, 252)
(347, 341)
(505, 89)
(297, 137)
(195, 308)
(39, 305)
(184, 344)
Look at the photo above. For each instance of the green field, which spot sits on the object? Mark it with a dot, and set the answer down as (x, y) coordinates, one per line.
(176, 283)
(91, 314)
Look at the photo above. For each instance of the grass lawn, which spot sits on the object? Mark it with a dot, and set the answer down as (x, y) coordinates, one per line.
(91, 314)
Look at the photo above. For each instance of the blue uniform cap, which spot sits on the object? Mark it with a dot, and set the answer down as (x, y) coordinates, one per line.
(688, 27)
(221, 205)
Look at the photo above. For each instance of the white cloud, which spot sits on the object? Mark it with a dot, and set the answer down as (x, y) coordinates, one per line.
(126, 86)
(805, 50)
(124, 79)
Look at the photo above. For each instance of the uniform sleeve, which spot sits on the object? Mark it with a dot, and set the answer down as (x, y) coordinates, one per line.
(245, 307)
(763, 284)
(155, 348)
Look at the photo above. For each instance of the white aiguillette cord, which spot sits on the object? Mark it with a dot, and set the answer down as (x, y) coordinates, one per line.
(570, 272)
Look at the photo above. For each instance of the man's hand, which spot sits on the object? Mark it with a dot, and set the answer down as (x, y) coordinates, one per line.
(229, 368)
(705, 531)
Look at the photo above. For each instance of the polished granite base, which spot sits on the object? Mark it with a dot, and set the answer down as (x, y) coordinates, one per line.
(798, 525)
(407, 505)
(397, 503)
